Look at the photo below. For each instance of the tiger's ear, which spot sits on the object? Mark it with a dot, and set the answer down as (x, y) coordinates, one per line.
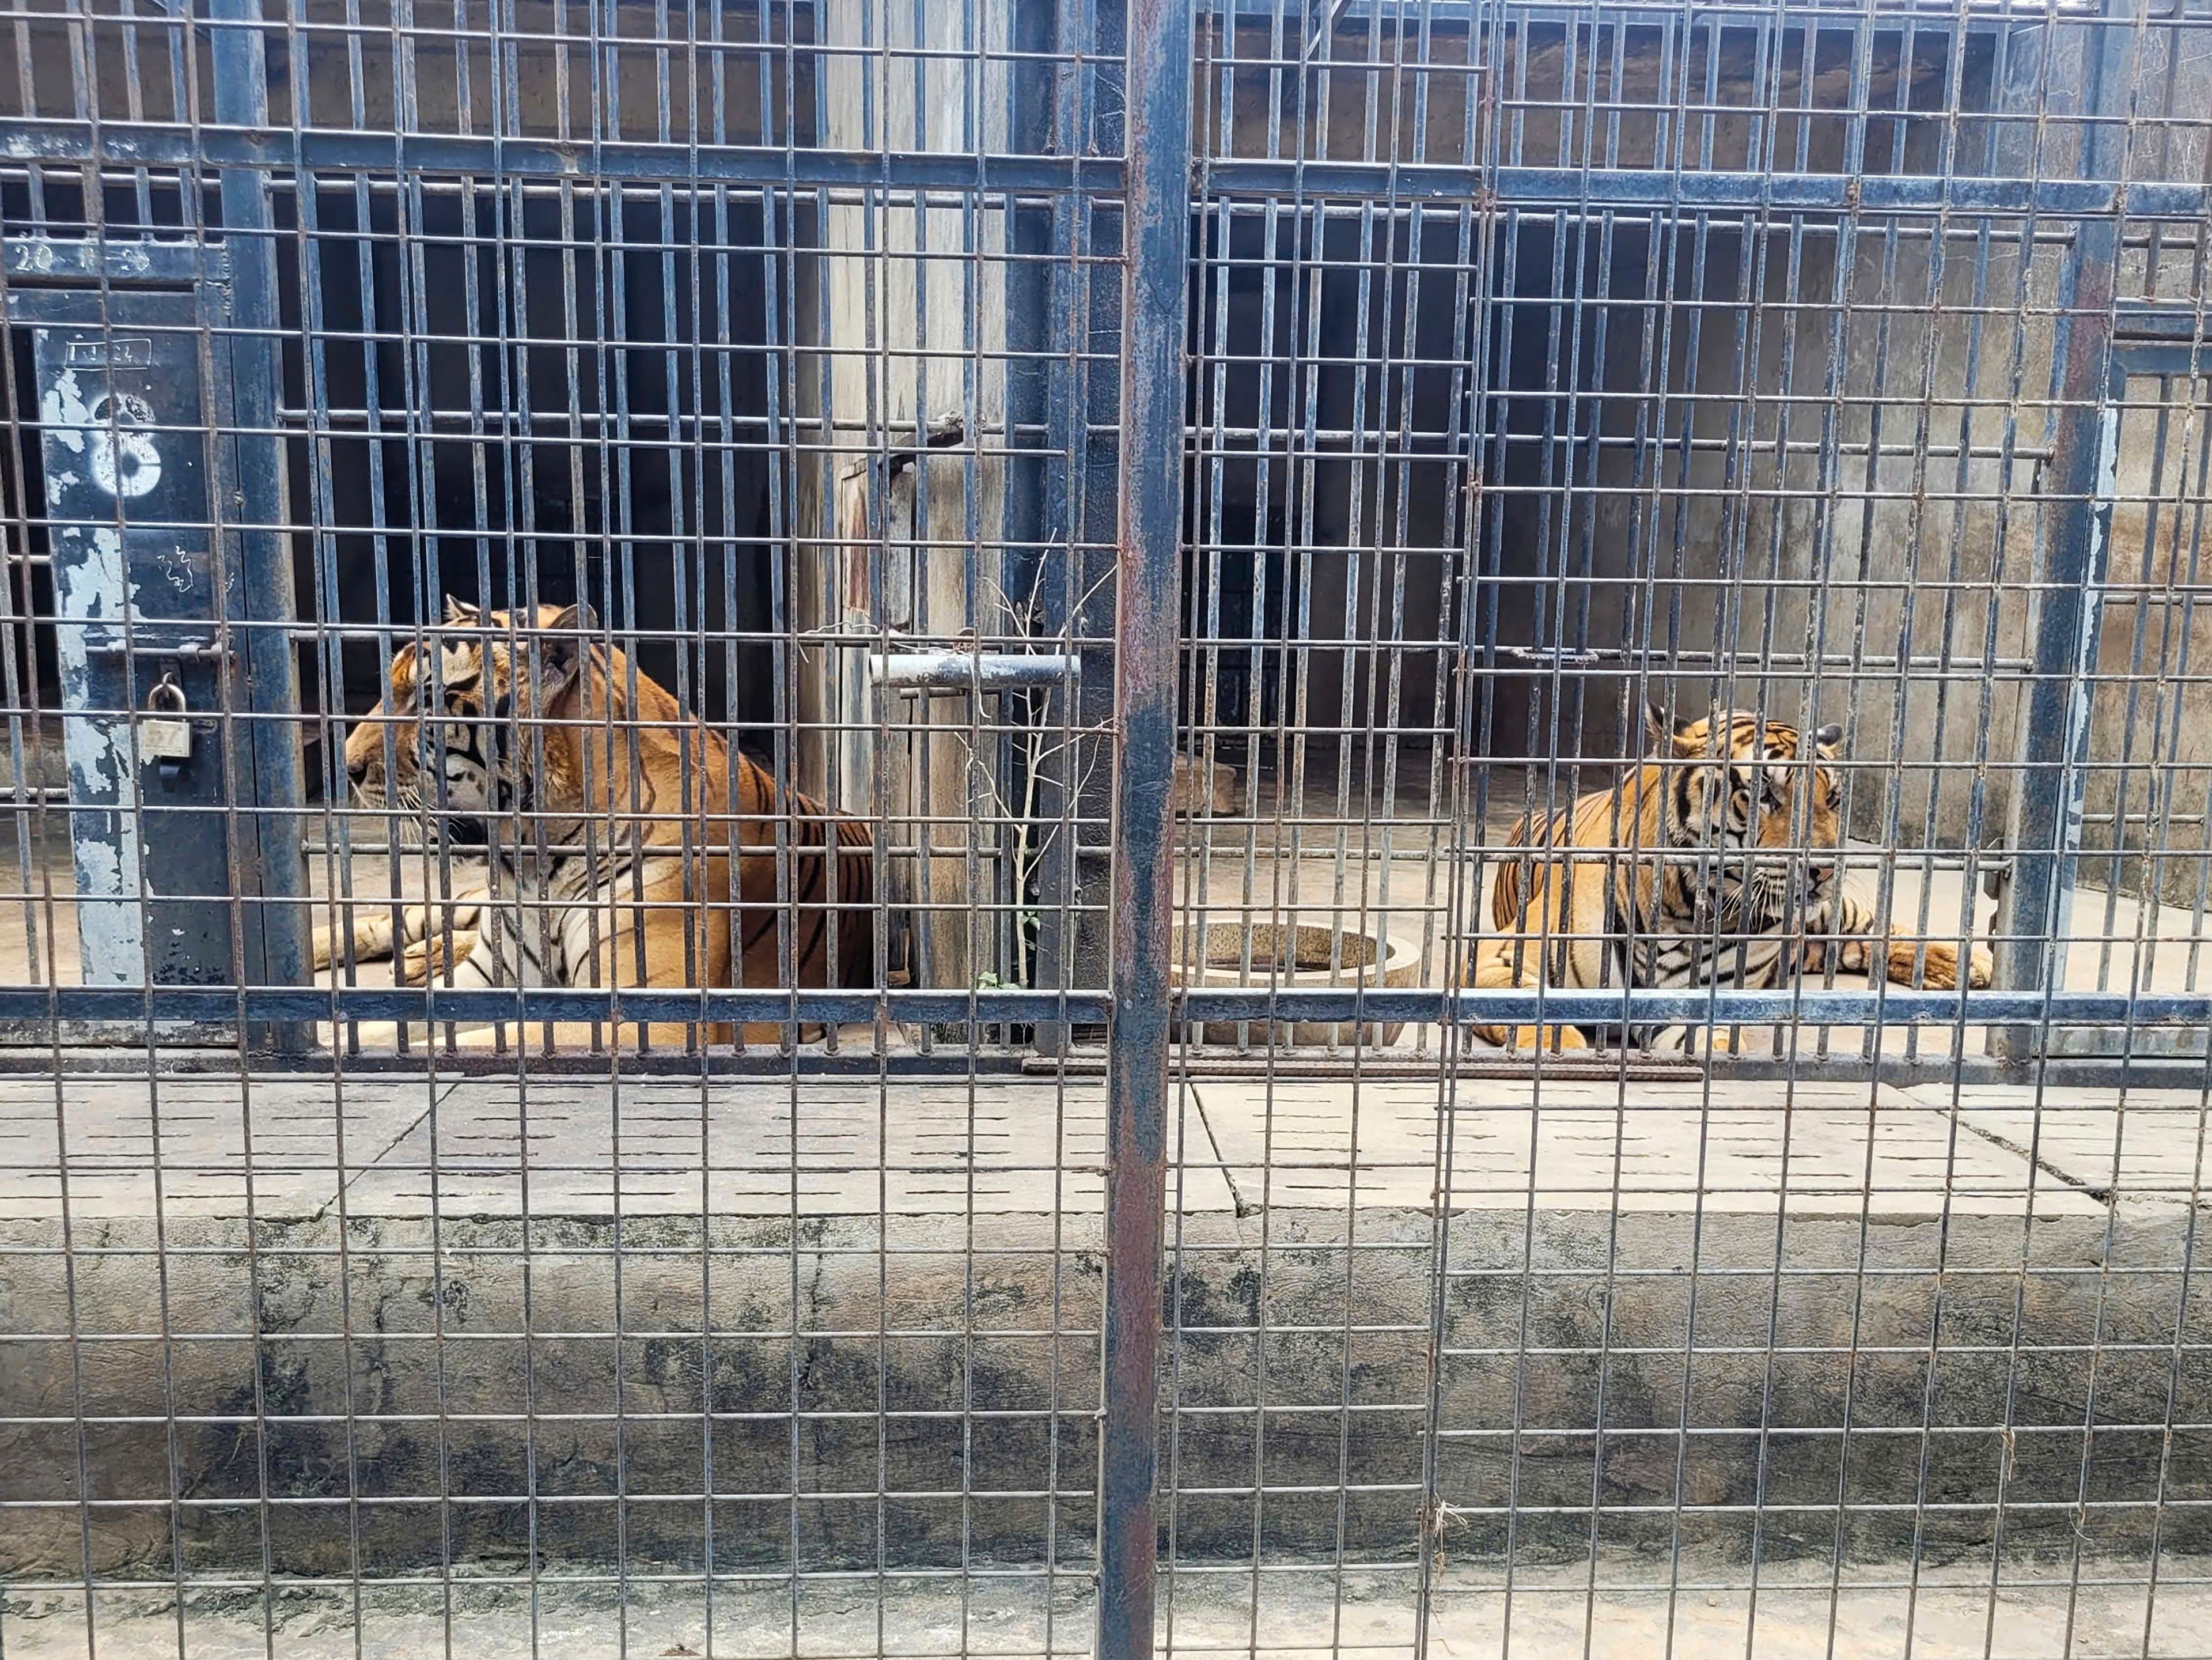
(562, 649)
(1828, 736)
(459, 612)
(1665, 737)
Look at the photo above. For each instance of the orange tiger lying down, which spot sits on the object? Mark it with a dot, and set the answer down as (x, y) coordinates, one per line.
(1688, 880)
(577, 889)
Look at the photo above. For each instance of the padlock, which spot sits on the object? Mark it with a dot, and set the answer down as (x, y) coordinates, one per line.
(164, 731)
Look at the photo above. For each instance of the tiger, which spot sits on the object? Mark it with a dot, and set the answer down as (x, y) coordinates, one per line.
(1713, 863)
(576, 768)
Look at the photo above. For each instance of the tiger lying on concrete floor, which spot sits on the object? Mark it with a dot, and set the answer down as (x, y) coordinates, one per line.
(1689, 881)
(537, 748)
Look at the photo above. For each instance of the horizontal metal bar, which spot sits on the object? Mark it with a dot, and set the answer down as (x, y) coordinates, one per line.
(538, 1004)
(2178, 356)
(1751, 220)
(1640, 1005)
(2179, 320)
(1644, 1006)
(133, 144)
(148, 641)
(1662, 188)
(1593, 656)
(964, 671)
(123, 143)
(1933, 1065)
(1927, 18)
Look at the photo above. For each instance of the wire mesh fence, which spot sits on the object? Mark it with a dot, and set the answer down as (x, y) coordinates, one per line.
(851, 828)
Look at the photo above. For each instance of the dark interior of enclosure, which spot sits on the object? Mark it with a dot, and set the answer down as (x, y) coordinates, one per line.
(572, 400)
(507, 397)
(1425, 431)
(1363, 505)
(581, 414)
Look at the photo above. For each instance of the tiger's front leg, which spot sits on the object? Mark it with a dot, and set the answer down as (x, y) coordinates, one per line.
(368, 936)
(373, 936)
(1500, 964)
(1930, 964)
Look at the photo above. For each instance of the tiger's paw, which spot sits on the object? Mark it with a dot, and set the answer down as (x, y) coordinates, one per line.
(430, 956)
(1936, 967)
(1941, 970)
(1534, 1037)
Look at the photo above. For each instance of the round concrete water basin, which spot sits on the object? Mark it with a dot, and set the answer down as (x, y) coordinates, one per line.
(1304, 958)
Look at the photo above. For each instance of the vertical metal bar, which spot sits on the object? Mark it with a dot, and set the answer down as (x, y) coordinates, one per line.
(272, 676)
(1155, 235)
(2048, 802)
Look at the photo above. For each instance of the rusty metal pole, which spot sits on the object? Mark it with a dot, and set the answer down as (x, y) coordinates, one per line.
(1155, 246)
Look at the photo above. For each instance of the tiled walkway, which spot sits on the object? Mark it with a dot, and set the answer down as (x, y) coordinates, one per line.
(287, 1147)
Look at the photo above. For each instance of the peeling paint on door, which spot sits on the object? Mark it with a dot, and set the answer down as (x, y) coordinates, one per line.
(96, 748)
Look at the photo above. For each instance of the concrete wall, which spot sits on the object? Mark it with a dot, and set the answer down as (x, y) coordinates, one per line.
(2154, 714)
(361, 1387)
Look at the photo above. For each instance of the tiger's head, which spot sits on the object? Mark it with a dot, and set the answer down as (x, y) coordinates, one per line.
(439, 748)
(1767, 802)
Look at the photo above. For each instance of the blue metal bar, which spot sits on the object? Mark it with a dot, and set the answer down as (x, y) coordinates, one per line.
(126, 144)
(2180, 321)
(1778, 192)
(1899, 1006)
(1155, 300)
(2047, 831)
(1463, 14)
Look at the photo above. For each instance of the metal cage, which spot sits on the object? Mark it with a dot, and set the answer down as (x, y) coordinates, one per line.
(1018, 826)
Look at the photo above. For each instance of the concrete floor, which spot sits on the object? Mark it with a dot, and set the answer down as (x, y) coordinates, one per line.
(1548, 1614)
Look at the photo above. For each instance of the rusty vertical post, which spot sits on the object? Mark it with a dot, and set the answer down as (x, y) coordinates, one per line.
(1155, 247)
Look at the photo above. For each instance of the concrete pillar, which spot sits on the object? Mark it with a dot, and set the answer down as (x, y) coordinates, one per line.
(904, 338)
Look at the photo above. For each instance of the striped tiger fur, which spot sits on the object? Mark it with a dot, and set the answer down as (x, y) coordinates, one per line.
(581, 773)
(1711, 864)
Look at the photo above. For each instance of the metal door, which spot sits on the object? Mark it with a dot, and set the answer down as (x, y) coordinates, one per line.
(150, 600)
